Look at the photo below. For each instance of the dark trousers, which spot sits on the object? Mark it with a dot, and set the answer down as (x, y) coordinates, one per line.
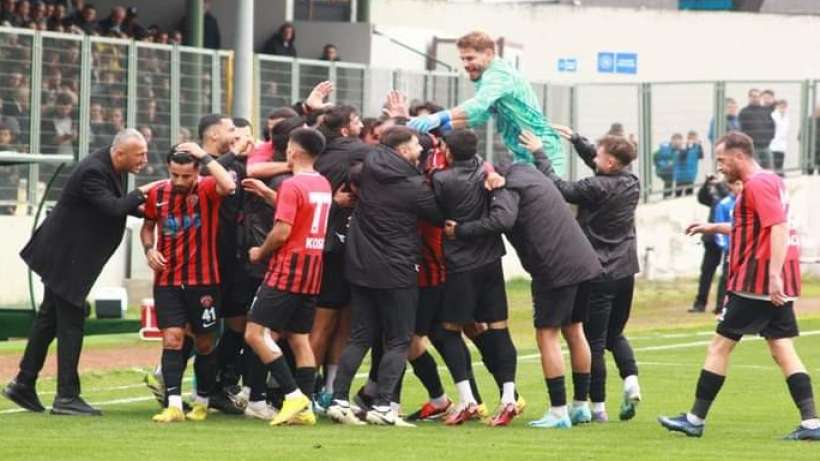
(65, 321)
(388, 315)
(764, 157)
(779, 158)
(712, 255)
(610, 302)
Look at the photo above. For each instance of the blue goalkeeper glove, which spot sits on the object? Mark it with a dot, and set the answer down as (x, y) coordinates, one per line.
(427, 123)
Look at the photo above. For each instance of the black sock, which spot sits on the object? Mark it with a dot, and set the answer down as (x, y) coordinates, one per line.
(470, 375)
(173, 367)
(709, 385)
(504, 356)
(557, 391)
(305, 378)
(280, 371)
(580, 385)
(257, 376)
(452, 351)
(802, 394)
(424, 367)
(485, 350)
(230, 345)
(206, 368)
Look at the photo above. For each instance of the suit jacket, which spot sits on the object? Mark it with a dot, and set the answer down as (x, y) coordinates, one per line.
(70, 248)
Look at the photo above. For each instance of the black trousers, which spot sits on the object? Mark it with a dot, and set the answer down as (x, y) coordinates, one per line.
(712, 255)
(779, 158)
(388, 315)
(610, 302)
(65, 321)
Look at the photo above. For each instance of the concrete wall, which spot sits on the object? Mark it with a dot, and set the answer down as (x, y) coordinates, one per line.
(352, 40)
(671, 45)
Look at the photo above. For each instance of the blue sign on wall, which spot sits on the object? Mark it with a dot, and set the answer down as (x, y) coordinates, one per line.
(606, 62)
(626, 63)
(567, 65)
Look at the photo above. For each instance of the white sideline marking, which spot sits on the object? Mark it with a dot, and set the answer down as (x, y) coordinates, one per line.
(521, 358)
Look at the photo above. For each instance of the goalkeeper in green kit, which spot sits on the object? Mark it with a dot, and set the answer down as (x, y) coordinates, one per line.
(500, 90)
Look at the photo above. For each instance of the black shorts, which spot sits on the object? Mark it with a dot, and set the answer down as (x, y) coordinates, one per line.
(477, 295)
(561, 306)
(238, 289)
(197, 306)
(282, 311)
(746, 316)
(335, 290)
(428, 313)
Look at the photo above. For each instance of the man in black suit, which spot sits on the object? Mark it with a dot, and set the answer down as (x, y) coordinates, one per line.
(69, 251)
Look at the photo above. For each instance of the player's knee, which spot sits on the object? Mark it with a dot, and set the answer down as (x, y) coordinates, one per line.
(451, 326)
(205, 344)
(721, 346)
(173, 338)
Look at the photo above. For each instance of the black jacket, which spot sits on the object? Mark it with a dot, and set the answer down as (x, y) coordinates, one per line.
(76, 239)
(383, 246)
(541, 228)
(757, 122)
(230, 212)
(606, 213)
(334, 164)
(276, 45)
(256, 224)
(462, 197)
(710, 194)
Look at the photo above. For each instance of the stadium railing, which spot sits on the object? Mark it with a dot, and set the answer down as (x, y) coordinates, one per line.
(163, 90)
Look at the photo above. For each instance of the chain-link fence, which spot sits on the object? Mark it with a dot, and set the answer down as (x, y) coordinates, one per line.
(15, 117)
(153, 106)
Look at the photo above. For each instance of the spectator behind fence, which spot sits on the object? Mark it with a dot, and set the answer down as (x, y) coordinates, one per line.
(114, 24)
(732, 123)
(58, 130)
(756, 121)
(686, 165)
(7, 12)
(710, 195)
(779, 143)
(664, 159)
(282, 42)
(330, 53)
(211, 37)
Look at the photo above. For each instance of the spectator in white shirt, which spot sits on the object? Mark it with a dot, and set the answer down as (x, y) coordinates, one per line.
(781, 130)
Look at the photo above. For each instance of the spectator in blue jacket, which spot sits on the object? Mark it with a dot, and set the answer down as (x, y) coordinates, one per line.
(664, 159)
(710, 195)
(724, 212)
(732, 123)
(686, 165)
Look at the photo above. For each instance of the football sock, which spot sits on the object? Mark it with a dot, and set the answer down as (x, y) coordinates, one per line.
(205, 368)
(280, 371)
(557, 392)
(580, 385)
(330, 376)
(173, 367)
(709, 385)
(305, 378)
(424, 367)
(800, 388)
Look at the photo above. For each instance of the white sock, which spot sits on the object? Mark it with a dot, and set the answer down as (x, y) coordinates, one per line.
(560, 412)
(294, 394)
(258, 405)
(370, 388)
(341, 403)
(631, 385)
(330, 376)
(465, 393)
(813, 423)
(508, 393)
(395, 408)
(201, 400)
(694, 419)
(599, 407)
(175, 401)
(577, 403)
(440, 402)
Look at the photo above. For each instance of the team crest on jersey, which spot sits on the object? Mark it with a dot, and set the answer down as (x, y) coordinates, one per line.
(192, 200)
(206, 301)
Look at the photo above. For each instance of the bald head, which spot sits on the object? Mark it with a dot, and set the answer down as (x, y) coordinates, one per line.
(129, 151)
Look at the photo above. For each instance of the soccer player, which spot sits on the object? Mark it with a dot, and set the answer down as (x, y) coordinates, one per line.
(475, 290)
(764, 282)
(500, 90)
(341, 127)
(553, 249)
(285, 304)
(606, 212)
(382, 252)
(184, 213)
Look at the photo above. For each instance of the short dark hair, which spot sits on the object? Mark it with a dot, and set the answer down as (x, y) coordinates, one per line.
(336, 119)
(240, 122)
(677, 135)
(428, 106)
(310, 140)
(749, 93)
(282, 112)
(281, 133)
(463, 144)
(369, 125)
(767, 91)
(207, 121)
(312, 117)
(180, 157)
(737, 140)
(479, 41)
(619, 147)
(395, 136)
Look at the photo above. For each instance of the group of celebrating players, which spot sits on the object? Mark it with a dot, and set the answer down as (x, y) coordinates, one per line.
(332, 240)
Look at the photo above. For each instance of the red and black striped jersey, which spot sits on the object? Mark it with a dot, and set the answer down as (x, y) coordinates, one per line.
(304, 203)
(187, 224)
(432, 271)
(762, 204)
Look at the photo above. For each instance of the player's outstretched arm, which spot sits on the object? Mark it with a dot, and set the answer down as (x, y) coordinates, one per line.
(501, 218)
(266, 170)
(709, 228)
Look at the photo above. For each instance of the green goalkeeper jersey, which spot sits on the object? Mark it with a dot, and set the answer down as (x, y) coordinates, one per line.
(504, 92)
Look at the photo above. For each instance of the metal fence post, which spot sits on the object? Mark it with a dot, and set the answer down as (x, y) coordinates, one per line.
(645, 138)
(85, 97)
(572, 168)
(294, 81)
(175, 91)
(34, 112)
(806, 125)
